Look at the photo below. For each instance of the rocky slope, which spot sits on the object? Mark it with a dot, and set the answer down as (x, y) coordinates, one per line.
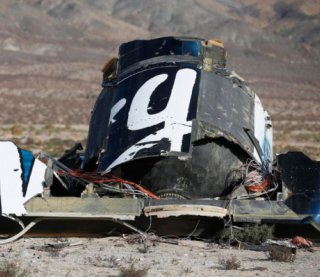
(51, 53)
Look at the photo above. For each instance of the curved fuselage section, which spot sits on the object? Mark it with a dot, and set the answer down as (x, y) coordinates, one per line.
(174, 125)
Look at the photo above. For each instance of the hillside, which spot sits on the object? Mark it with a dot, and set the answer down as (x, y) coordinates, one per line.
(52, 53)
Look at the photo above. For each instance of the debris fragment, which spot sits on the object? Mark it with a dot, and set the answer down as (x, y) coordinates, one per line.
(193, 244)
(301, 242)
(218, 116)
(22, 178)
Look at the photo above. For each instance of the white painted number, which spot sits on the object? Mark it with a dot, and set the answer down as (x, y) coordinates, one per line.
(174, 115)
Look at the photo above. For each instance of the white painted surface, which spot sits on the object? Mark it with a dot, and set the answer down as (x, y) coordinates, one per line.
(139, 117)
(262, 131)
(35, 186)
(115, 109)
(174, 115)
(12, 200)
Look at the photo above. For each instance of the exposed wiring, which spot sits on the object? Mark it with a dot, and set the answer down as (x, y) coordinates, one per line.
(150, 216)
(22, 232)
(256, 179)
(194, 230)
(17, 220)
(103, 181)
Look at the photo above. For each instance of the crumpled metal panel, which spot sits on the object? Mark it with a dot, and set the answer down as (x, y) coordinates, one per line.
(262, 211)
(227, 106)
(98, 130)
(152, 114)
(168, 114)
(300, 183)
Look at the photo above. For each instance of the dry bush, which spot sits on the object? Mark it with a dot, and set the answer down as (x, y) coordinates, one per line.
(258, 234)
(16, 130)
(146, 241)
(231, 263)
(9, 269)
(134, 239)
(255, 234)
(132, 271)
(282, 254)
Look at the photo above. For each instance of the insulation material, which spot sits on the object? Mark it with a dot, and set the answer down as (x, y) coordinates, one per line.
(21, 178)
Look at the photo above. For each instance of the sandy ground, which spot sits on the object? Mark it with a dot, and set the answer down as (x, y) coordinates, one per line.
(109, 256)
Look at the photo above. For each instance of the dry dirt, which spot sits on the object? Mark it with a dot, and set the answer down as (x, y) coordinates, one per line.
(113, 255)
(50, 138)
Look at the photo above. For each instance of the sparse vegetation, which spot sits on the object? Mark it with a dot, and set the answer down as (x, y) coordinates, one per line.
(16, 130)
(281, 254)
(56, 146)
(147, 242)
(132, 271)
(255, 234)
(10, 269)
(53, 139)
(231, 263)
(297, 137)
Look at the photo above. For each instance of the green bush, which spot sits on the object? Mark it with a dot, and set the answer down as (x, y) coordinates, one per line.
(255, 234)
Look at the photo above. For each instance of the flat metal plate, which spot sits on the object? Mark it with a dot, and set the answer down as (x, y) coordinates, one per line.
(120, 208)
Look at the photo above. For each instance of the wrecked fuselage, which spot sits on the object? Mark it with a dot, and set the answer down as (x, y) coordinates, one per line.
(171, 117)
(176, 140)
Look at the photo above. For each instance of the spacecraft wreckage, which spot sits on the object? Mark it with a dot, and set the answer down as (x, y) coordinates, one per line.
(175, 139)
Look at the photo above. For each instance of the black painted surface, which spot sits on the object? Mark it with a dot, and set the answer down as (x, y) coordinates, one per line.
(98, 129)
(139, 50)
(120, 138)
(301, 176)
(220, 103)
(224, 104)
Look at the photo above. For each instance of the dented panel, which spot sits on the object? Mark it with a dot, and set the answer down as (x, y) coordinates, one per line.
(226, 104)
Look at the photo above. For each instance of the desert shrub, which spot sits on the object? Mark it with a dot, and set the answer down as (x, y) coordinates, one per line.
(10, 269)
(132, 271)
(256, 234)
(16, 130)
(281, 254)
(231, 263)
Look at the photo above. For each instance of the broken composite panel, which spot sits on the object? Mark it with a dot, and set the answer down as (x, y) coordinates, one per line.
(178, 121)
(173, 134)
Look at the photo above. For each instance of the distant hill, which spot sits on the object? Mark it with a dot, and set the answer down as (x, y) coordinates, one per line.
(52, 52)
